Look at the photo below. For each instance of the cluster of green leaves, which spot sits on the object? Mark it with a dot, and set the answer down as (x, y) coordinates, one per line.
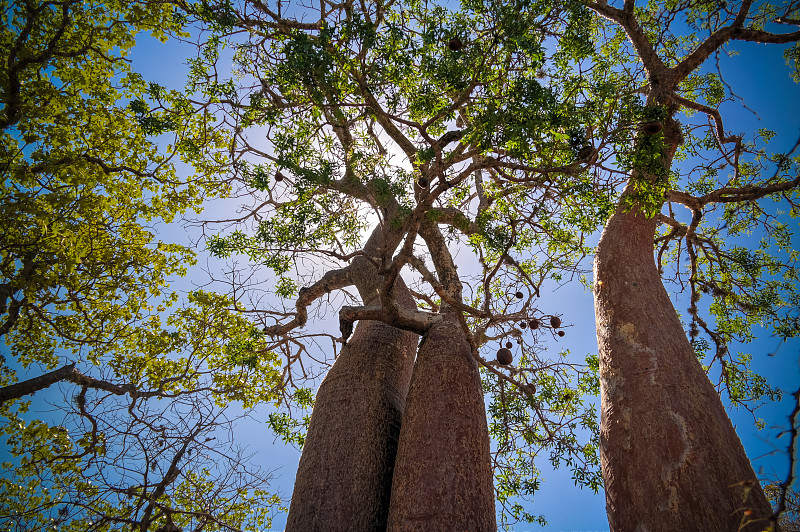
(85, 279)
(79, 262)
(213, 345)
(745, 289)
(287, 427)
(550, 414)
(650, 177)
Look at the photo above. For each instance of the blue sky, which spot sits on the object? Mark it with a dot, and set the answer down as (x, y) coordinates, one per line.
(760, 77)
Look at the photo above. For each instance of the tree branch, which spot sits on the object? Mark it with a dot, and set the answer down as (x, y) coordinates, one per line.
(417, 321)
(332, 280)
(455, 218)
(627, 19)
(766, 37)
(70, 374)
(428, 276)
(169, 477)
(794, 421)
(720, 130)
(280, 22)
(442, 259)
(731, 194)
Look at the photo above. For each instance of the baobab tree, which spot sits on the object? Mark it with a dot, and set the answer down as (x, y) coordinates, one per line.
(389, 120)
(429, 128)
(670, 456)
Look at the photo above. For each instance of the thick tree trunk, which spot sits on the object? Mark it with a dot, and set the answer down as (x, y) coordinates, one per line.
(345, 472)
(670, 457)
(443, 474)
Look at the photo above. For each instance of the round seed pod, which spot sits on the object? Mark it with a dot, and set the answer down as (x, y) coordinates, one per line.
(509, 345)
(519, 295)
(504, 356)
(522, 325)
(422, 182)
(652, 127)
(534, 323)
(455, 44)
(279, 177)
(561, 333)
(555, 322)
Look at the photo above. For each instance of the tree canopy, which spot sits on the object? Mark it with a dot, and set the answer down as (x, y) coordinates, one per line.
(85, 298)
(511, 130)
(360, 110)
(488, 143)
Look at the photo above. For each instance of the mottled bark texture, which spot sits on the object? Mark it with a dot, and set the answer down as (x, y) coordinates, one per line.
(670, 457)
(345, 472)
(443, 474)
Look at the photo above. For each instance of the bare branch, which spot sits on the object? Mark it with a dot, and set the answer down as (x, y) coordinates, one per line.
(794, 423)
(279, 22)
(70, 374)
(767, 37)
(720, 130)
(430, 278)
(332, 280)
(731, 194)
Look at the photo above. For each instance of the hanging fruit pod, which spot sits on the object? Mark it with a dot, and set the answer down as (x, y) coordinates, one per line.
(561, 333)
(279, 177)
(504, 356)
(534, 324)
(519, 295)
(555, 322)
(423, 183)
(509, 345)
(522, 325)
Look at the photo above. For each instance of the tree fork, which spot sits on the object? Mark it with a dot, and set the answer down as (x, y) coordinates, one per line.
(345, 473)
(671, 459)
(443, 474)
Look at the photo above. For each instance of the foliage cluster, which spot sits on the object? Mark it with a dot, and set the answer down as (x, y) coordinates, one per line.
(145, 380)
